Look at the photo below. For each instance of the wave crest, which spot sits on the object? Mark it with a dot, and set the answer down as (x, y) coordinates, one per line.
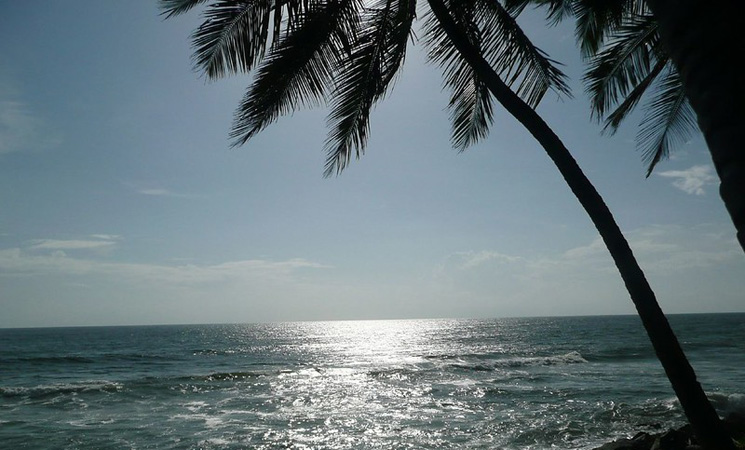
(51, 390)
(573, 357)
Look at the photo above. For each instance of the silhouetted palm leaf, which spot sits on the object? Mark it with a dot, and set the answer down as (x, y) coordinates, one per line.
(557, 10)
(233, 37)
(599, 19)
(298, 70)
(365, 76)
(623, 65)
(470, 101)
(523, 66)
(594, 19)
(668, 121)
(614, 119)
(632, 64)
(175, 7)
(515, 58)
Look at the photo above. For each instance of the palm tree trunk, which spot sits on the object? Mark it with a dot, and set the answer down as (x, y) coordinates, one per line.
(703, 418)
(705, 41)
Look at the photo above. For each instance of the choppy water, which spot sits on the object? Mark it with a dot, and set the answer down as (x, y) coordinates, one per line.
(534, 383)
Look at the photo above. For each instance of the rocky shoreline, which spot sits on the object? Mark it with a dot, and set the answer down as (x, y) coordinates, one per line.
(676, 439)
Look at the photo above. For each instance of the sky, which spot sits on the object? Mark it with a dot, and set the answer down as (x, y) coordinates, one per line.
(121, 201)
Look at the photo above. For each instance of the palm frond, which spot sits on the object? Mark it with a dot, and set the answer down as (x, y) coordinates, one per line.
(522, 65)
(377, 55)
(233, 37)
(176, 7)
(598, 19)
(557, 10)
(614, 119)
(623, 64)
(668, 122)
(298, 70)
(471, 107)
(470, 100)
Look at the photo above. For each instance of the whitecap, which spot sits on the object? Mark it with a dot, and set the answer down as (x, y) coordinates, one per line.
(727, 403)
(573, 357)
(215, 441)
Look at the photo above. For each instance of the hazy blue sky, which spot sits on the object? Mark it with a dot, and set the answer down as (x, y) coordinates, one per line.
(122, 203)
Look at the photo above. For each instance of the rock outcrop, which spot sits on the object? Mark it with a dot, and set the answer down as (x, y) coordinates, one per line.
(676, 439)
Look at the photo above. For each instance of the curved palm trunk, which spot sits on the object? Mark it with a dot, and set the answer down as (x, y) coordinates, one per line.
(705, 41)
(704, 420)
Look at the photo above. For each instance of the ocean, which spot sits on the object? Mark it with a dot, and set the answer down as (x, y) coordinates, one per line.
(533, 383)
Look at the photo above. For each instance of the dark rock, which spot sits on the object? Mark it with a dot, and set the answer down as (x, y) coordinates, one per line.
(642, 441)
(735, 425)
(678, 439)
(672, 440)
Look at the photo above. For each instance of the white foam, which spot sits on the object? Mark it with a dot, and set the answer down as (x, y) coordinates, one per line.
(213, 422)
(464, 383)
(215, 441)
(195, 405)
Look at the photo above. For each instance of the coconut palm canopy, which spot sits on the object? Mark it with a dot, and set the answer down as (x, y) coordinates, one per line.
(347, 54)
(619, 39)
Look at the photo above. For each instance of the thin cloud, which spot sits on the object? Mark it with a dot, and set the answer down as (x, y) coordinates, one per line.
(592, 250)
(20, 128)
(692, 181)
(463, 263)
(107, 237)
(57, 244)
(144, 188)
(584, 279)
(469, 260)
(16, 261)
(156, 192)
(668, 249)
(17, 126)
(664, 249)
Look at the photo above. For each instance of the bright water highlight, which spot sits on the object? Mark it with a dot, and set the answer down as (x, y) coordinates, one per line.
(536, 383)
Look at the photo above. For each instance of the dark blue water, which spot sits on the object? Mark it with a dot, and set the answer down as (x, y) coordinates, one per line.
(533, 383)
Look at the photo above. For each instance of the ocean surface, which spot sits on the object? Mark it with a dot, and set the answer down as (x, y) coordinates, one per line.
(535, 383)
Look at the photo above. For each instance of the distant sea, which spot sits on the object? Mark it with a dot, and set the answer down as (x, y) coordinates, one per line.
(535, 383)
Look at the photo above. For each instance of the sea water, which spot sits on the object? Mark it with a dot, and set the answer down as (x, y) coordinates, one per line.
(535, 383)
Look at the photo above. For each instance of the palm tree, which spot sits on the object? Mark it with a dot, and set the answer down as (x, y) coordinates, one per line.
(702, 416)
(346, 53)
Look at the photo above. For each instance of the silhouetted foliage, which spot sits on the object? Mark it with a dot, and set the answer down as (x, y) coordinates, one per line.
(346, 54)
